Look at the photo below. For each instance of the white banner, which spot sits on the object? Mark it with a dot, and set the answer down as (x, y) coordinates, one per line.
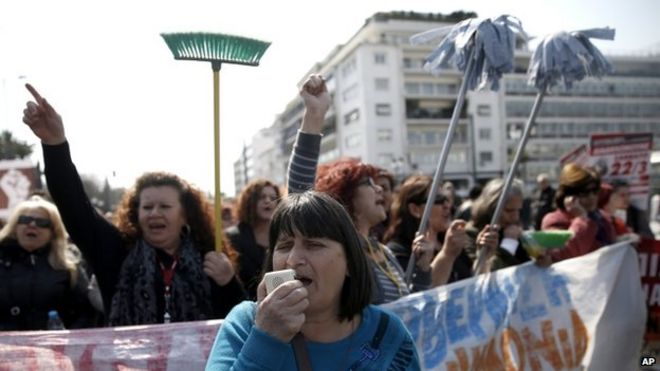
(584, 313)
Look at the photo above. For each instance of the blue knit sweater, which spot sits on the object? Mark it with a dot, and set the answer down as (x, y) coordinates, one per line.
(239, 345)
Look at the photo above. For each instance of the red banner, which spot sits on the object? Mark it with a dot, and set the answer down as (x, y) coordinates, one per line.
(649, 269)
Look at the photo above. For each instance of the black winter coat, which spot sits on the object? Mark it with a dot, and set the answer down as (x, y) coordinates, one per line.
(30, 287)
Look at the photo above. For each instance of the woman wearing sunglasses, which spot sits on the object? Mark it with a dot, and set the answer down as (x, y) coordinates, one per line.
(577, 211)
(446, 237)
(39, 271)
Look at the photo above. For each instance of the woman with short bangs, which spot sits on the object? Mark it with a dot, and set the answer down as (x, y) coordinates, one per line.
(577, 211)
(40, 272)
(254, 210)
(326, 307)
(158, 265)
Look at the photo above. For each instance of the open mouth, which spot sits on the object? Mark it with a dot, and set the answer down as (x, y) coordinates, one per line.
(31, 234)
(156, 227)
(305, 281)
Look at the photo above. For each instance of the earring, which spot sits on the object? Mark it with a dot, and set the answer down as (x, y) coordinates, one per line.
(185, 230)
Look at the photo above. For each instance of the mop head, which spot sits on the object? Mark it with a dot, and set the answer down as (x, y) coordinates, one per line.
(493, 43)
(217, 48)
(568, 57)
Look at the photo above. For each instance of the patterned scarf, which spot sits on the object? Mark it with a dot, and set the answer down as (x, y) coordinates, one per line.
(135, 303)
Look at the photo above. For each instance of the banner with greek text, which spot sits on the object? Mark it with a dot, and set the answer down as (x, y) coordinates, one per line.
(583, 313)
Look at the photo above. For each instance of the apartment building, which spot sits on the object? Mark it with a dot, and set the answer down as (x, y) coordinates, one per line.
(388, 111)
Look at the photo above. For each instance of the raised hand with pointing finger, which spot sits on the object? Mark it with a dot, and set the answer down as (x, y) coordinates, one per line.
(156, 264)
(43, 120)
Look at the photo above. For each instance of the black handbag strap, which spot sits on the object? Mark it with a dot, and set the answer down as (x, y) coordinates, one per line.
(300, 353)
(302, 356)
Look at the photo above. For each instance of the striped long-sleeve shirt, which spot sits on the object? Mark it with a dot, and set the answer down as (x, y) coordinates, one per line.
(303, 162)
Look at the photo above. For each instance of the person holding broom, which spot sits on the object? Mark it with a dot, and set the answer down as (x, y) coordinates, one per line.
(158, 264)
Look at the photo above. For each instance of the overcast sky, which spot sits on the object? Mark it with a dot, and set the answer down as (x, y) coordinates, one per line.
(129, 107)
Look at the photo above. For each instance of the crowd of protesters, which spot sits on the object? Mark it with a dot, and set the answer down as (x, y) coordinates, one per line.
(346, 227)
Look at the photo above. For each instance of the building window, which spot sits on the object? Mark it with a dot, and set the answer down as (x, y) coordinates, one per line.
(485, 157)
(350, 93)
(383, 109)
(384, 135)
(352, 141)
(414, 138)
(407, 63)
(457, 155)
(349, 68)
(382, 83)
(380, 58)
(430, 137)
(427, 88)
(484, 133)
(352, 116)
(385, 159)
(483, 110)
(411, 88)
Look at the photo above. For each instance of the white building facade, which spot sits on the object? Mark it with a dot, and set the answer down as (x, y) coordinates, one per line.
(386, 110)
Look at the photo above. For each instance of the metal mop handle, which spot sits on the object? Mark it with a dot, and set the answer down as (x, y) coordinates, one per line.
(481, 257)
(437, 178)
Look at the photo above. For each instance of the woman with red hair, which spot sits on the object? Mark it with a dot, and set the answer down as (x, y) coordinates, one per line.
(352, 183)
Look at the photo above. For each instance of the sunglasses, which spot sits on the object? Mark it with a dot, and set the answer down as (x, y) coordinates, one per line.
(369, 181)
(439, 200)
(587, 192)
(39, 222)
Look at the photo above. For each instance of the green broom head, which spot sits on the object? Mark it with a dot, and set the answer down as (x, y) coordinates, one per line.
(215, 48)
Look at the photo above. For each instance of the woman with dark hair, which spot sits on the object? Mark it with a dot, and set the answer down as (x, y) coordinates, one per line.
(577, 211)
(253, 211)
(452, 263)
(613, 202)
(327, 303)
(158, 264)
(40, 271)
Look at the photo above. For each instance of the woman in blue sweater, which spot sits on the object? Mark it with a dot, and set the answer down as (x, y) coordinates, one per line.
(322, 319)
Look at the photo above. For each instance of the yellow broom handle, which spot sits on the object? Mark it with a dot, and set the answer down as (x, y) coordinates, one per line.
(216, 142)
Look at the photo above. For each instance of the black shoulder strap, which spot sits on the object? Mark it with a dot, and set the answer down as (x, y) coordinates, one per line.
(370, 351)
(300, 353)
(380, 331)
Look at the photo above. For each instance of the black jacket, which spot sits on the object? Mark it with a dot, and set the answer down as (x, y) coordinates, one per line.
(30, 287)
(251, 256)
